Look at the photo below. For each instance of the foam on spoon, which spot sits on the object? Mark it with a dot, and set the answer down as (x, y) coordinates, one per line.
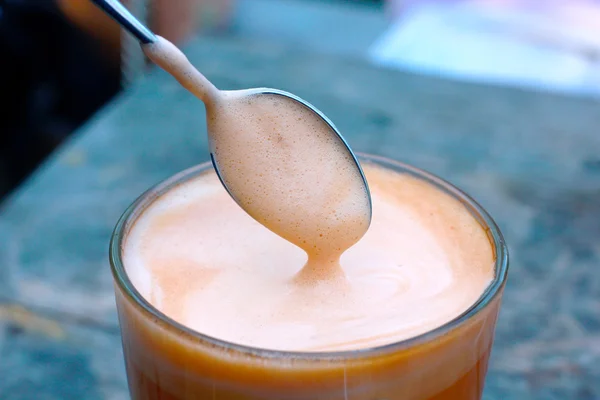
(283, 165)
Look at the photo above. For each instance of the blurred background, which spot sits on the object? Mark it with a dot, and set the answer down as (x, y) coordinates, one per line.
(62, 60)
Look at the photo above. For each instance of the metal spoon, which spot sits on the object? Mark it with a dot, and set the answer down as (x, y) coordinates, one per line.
(209, 94)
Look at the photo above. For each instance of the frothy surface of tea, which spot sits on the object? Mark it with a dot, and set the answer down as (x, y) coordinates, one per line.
(201, 260)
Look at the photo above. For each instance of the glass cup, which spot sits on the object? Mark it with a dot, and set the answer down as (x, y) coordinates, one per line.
(166, 360)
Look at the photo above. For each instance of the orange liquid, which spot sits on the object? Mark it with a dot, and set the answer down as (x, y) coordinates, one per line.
(164, 364)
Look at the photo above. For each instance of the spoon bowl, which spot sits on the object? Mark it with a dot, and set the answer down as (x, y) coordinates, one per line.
(305, 104)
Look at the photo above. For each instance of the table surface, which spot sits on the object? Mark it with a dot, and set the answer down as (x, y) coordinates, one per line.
(532, 159)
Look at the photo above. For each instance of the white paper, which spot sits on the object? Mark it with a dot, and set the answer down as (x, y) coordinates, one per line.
(476, 43)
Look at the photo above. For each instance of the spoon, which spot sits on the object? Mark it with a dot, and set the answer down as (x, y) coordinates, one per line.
(329, 168)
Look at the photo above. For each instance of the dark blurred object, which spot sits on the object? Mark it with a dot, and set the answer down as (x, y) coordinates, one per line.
(52, 78)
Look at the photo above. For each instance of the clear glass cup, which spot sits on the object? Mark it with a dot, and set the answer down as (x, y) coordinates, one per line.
(166, 360)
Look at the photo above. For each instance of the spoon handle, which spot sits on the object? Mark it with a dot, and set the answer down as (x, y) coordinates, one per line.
(117, 11)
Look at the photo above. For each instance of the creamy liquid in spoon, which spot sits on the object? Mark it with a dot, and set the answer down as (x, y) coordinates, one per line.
(283, 165)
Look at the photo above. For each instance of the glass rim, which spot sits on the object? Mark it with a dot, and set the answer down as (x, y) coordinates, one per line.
(491, 292)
